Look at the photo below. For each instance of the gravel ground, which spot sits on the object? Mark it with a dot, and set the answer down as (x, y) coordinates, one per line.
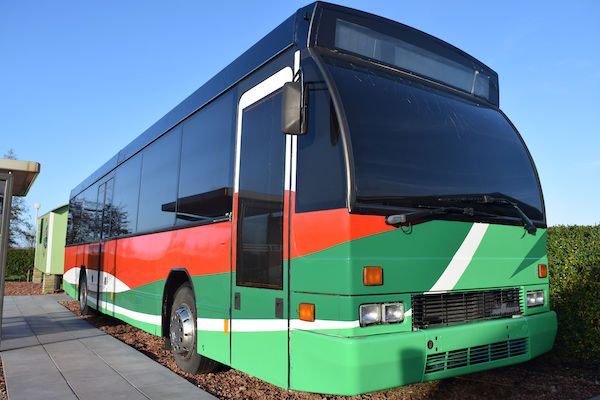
(22, 288)
(537, 379)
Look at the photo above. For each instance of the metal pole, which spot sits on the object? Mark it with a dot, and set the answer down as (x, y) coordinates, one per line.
(7, 180)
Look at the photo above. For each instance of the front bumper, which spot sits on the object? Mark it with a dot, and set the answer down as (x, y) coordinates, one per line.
(349, 366)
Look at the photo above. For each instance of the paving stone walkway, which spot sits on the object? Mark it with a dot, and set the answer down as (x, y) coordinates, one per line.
(50, 353)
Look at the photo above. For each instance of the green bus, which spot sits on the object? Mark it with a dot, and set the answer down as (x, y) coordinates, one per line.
(342, 209)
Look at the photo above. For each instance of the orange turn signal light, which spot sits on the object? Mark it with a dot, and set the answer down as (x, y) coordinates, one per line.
(372, 276)
(307, 312)
(542, 270)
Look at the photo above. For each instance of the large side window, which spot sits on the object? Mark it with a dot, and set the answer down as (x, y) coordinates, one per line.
(125, 197)
(105, 192)
(320, 181)
(158, 191)
(260, 197)
(89, 214)
(74, 221)
(207, 153)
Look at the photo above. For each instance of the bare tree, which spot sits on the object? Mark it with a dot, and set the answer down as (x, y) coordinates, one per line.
(21, 231)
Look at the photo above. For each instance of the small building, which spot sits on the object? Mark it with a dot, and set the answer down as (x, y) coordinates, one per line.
(50, 248)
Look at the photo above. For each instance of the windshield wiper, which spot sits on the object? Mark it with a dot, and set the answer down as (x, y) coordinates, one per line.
(399, 219)
(487, 199)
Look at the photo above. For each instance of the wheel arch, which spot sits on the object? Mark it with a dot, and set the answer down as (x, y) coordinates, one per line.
(176, 278)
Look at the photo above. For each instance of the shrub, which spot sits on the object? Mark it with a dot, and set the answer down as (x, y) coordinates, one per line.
(574, 259)
(18, 263)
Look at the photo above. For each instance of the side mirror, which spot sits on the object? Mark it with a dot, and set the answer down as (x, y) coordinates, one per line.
(293, 109)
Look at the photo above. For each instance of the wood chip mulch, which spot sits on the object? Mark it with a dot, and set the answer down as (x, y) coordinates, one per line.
(22, 288)
(536, 379)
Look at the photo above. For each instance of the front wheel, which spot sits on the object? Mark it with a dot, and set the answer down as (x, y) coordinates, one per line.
(182, 333)
(83, 295)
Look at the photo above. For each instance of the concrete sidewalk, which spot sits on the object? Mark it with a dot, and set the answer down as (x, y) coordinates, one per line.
(50, 353)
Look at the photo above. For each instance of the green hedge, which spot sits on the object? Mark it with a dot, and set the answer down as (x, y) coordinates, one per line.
(18, 263)
(574, 259)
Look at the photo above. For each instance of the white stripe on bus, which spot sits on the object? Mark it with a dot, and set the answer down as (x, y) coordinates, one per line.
(259, 91)
(271, 325)
(112, 285)
(138, 316)
(461, 259)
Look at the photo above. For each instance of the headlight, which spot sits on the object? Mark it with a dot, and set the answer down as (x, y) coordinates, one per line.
(370, 314)
(386, 313)
(393, 312)
(536, 298)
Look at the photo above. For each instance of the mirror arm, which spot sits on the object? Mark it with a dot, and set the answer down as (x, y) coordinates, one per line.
(299, 76)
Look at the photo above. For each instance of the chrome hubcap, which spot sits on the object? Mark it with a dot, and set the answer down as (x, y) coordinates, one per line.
(182, 330)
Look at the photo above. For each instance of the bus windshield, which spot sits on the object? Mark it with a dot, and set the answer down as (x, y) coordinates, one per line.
(412, 141)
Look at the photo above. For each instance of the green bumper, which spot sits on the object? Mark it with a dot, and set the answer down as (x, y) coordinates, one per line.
(349, 366)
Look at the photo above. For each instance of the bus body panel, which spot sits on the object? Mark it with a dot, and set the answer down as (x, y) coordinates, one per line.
(352, 366)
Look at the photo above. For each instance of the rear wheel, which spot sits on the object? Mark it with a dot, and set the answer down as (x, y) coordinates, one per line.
(182, 333)
(83, 295)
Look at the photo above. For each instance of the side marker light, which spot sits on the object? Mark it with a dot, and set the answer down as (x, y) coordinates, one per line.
(372, 276)
(307, 312)
(542, 270)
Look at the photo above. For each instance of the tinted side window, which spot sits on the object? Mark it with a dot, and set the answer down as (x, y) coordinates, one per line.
(105, 192)
(158, 191)
(260, 198)
(74, 221)
(88, 229)
(125, 197)
(320, 179)
(207, 154)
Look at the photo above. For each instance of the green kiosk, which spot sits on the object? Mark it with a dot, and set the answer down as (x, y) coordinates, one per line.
(50, 248)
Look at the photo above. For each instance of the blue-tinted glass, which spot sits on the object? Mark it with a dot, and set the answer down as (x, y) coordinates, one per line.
(158, 192)
(207, 153)
(125, 197)
(89, 207)
(105, 193)
(260, 197)
(321, 181)
(412, 140)
(74, 221)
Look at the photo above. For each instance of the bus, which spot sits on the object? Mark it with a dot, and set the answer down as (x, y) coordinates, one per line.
(342, 209)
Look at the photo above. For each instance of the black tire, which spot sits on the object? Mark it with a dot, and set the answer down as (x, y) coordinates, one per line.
(187, 357)
(84, 309)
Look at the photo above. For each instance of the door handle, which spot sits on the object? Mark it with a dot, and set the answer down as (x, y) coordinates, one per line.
(278, 308)
(237, 301)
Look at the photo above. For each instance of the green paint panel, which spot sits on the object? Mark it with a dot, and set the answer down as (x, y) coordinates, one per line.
(212, 301)
(411, 262)
(212, 295)
(71, 290)
(351, 366)
(249, 355)
(506, 258)
(145, 299)
(214, 345)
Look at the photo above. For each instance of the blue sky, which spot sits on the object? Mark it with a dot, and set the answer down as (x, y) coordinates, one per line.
(80, 79)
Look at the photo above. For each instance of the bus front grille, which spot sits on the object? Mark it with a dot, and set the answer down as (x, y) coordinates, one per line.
(443, 309)
(475, 355)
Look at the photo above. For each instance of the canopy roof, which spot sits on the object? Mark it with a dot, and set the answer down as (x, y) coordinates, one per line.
(24, 173)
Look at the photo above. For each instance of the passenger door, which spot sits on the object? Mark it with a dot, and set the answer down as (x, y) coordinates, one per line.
(259, 324)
